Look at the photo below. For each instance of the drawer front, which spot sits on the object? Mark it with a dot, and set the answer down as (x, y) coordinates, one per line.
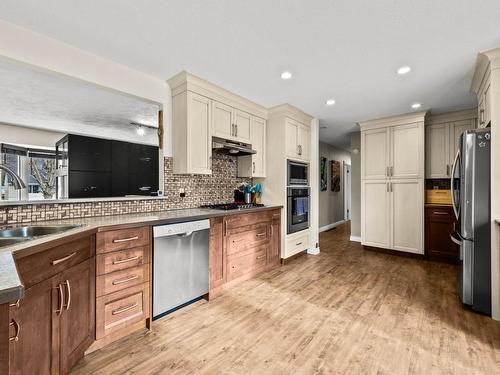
(119, 280)
(296, 244)
(41, 266)
(247, 239)
(244, 220)
(440, 213)
(122, 239)
(120, 260)
(121, 309)
(246, 262)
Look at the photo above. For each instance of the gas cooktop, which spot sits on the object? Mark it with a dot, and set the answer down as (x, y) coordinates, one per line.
(232, 206)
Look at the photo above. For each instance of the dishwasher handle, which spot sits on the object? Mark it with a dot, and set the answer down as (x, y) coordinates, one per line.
(185, 234)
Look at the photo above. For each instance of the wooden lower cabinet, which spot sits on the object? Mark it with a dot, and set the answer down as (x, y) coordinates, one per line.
(439, 224)
(241, 246)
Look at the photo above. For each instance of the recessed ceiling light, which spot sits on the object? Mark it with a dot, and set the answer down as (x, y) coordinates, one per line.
(286, 75)
(330, 102)
(416, 105)
(404, 70)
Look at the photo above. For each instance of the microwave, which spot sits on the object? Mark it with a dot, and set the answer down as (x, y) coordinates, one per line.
(298, 173)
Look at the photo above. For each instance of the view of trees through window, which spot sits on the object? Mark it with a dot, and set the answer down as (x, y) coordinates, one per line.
(37, 170)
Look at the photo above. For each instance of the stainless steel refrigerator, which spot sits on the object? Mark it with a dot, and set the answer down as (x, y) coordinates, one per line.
(470, 190)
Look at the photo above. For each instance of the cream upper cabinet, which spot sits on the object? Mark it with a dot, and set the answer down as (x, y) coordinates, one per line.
(304, 136)
(242, 126)
(222, 124)
(375, 156)
(192, 134)
(407, 215)
(375, 213)
(406, 151)
(437, 162)
(255, 165)
(441, 141)
(298, 139)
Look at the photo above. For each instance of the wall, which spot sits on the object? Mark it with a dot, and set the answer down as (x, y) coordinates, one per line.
(40, 51)
(331, 204)
(19, 135)
(356, 186)
(200, 190)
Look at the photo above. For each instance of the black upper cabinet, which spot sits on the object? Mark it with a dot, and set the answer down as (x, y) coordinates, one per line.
(106, 168)
(89, 154)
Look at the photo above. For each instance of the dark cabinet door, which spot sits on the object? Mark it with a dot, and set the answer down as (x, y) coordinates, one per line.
(120, 168)
(77, 325)
(439, 225)
(142, 183)
(89, 184)
(89, 154)
(143, 158)
(36, 324)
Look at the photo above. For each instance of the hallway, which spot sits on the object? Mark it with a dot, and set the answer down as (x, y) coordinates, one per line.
(345, 311)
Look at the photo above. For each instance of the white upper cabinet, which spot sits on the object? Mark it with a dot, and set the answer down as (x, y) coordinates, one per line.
(375, 156)
(406, 151)
(437, 162)
(192, 137)
(255, 165)
(242, 126)
(298, 139)
(222, 125)
(441, 141)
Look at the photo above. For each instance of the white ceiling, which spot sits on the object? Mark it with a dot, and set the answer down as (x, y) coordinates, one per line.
(348, 50)
(40, 99)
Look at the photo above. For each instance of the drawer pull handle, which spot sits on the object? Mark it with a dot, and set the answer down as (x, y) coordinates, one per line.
(58, 261)
(121, 261)
(298, 243)
(61, 300)
(18, 329)
(260, 257)
(123, 309)
(276, 215)
(261, 234)
(440, 213)
(68, 304)
(126, 239)
(15, 304)
(125, 280)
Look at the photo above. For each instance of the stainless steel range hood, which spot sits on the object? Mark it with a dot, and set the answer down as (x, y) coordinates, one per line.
(224, 146)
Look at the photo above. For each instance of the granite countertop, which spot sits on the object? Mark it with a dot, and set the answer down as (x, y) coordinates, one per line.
(11, 287)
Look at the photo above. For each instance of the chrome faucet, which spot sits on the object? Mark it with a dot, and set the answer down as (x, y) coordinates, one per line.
(16, 180)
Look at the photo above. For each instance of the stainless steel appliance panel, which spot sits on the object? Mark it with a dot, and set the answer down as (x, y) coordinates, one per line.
(298, 200)
(298, 173)
(180, 264)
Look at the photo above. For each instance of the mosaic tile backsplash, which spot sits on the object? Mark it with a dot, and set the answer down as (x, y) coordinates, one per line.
(216, 188)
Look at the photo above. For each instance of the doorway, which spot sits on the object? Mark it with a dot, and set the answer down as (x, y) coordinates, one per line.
(347, 191)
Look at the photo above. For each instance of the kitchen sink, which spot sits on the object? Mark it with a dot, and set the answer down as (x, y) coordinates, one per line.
(19, 234)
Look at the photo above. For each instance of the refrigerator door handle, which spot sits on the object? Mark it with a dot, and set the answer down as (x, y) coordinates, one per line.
(456, 238)
(453, 203)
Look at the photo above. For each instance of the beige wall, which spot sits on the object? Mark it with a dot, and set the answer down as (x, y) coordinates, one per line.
(356, 185)
(19, 135)
(331, 204)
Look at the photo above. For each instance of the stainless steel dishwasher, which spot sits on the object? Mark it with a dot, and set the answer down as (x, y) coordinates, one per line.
(180, 265)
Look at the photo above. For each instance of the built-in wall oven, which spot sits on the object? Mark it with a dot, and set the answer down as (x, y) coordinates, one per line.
(298, 173)
(297, 208)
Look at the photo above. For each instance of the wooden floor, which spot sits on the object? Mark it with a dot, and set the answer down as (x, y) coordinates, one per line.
(345, 311)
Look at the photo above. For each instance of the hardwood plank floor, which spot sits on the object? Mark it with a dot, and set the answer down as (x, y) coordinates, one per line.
(345, 311)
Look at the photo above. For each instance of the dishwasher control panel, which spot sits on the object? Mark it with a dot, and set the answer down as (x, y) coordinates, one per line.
(180, 228)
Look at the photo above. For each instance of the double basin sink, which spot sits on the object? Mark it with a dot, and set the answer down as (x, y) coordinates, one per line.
(12, 236)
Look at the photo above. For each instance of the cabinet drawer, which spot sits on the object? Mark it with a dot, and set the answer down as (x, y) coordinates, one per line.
(122, 239)
(244, 220)
(119, 280)
(246, 262)
(41, 266)
(298, 243)
(121, 309)
(119, 260)
(247, 239)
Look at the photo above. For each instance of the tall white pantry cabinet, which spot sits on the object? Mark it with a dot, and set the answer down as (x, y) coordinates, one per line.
(392, 183)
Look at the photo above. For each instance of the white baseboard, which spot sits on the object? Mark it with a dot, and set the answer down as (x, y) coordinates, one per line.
(331, 226)
(313, 251)
(355, 238)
